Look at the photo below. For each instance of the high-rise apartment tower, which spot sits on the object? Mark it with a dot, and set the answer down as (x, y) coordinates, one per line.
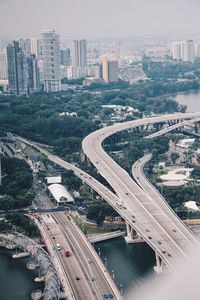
(50, 54)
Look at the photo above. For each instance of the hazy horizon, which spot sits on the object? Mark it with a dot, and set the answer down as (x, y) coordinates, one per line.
(99, 19)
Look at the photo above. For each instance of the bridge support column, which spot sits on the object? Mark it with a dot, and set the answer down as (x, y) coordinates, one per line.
(132, 236)
(158, 268)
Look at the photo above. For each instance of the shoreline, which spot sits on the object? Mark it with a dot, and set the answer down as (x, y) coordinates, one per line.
(176, 94)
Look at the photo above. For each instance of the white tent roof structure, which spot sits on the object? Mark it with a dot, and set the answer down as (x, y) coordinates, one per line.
(54, 179)
(60, 194)
(191, 205)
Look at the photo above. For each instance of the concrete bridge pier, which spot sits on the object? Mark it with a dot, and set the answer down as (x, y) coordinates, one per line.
(132, 236)
(158, 268)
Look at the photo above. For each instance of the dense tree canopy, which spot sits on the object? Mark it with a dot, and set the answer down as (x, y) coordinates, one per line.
(16, 184)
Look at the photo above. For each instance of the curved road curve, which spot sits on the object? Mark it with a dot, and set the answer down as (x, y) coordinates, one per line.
(140, 210)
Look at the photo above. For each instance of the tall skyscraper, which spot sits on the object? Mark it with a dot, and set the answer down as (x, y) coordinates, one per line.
(65, 57)
(17, 69)
(36, 48)
(79, 58)
(50, 54)
(3, 66)
(33, 74)
(110, 70)
(25, 45)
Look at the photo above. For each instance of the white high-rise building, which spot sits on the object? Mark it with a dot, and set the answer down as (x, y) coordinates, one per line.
(3, 66)
(79, 58)
(176, 51)
(50, 54)
(184, 50)
(188, 51)
(197, 49)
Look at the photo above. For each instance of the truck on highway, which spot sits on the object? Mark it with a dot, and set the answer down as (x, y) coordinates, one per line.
(66, 252)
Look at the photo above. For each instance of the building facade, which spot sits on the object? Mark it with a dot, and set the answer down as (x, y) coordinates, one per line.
(3, 66)
(33, 74)
(17, 70)
(79, 58)
(65, 57)
(184, 50)
(50, 55)
(110, 70)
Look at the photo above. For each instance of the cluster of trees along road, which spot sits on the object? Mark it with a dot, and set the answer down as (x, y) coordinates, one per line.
(16, 184)
(16, 192)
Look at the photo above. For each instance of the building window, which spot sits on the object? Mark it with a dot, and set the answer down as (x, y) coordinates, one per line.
(53, 77)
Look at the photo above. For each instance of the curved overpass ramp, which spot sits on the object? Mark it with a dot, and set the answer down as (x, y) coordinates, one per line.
(157, 227)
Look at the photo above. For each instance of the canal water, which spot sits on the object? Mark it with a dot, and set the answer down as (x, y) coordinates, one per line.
(128, 264)
(191, 100)
(16, 281)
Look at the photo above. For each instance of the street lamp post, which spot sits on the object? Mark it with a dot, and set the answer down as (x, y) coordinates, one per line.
(113, 275)
(106, 262)
(121, 288)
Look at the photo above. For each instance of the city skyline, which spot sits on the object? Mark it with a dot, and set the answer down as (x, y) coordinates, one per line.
(94, 19)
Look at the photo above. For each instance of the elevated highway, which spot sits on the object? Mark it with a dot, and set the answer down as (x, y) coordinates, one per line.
(159, 228)
(171, 128)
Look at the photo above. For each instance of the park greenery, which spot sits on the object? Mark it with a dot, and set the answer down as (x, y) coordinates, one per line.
(16, 185)
(169, 69)
(21, 223)
(98, 211)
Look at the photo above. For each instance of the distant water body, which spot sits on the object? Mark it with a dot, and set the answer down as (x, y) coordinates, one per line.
(191, 100)
(16, 281)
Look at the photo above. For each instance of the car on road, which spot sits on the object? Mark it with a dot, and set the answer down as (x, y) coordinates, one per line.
(77, 278)
(108, 296)
(93, 279)
(58, 246)
(159, 242)
(149, 237)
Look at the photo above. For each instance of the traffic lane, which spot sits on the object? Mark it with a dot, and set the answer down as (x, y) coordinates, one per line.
(158, 199)
(86, 255)
(70, 265)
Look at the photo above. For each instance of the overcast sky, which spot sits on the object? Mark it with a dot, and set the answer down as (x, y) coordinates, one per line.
(99, 18)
